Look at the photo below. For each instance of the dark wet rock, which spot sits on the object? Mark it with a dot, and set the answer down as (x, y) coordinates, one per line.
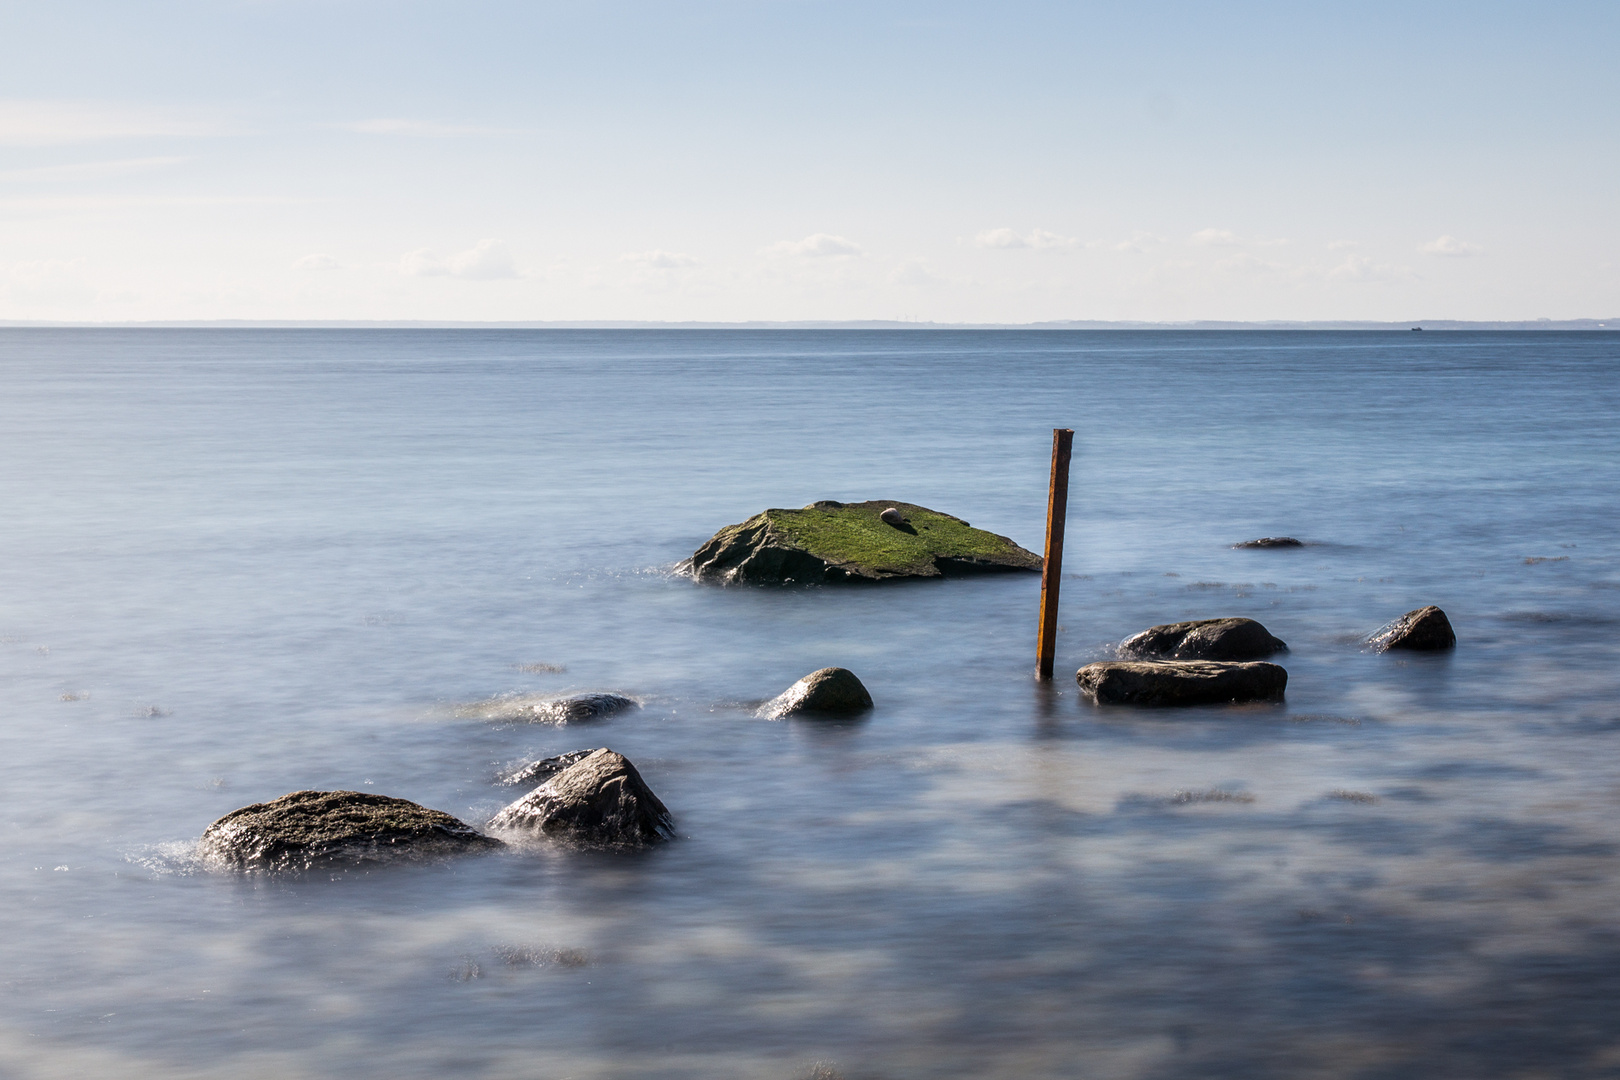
(1181, 682)
(832, 691)
(539, 771)
(1426, 628)
(598, 800)
(308, 829)
(1204, 639)
(834, 541)
(1271, 542)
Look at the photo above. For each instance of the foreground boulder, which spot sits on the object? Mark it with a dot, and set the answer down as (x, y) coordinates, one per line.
(598, 800)
(1204, 639)
(308, 829)
(1426, 628)
(834, 541)
(1181, 682)
(1271, 542)
(832, 691)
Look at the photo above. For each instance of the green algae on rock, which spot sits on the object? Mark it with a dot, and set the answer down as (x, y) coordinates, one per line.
(834, 541)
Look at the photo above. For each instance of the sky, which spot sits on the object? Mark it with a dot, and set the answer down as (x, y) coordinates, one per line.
(1013, 161)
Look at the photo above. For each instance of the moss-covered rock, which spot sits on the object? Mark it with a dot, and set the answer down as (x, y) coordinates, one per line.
(833, 541)
(309, 829)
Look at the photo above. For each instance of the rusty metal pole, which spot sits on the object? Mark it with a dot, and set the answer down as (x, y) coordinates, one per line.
(1057, 510)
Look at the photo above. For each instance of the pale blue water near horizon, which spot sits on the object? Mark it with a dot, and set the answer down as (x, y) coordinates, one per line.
(240, 563)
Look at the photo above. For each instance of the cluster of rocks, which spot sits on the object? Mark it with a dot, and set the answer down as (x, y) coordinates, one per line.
(1215, 661)
(589, 798)
(596, 797)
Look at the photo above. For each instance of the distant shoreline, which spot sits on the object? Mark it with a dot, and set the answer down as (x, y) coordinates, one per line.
(808, 324)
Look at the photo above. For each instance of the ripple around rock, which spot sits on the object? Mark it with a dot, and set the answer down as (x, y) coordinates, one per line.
(308, 829)
(530, 709)
(1425, 629)
(832, 691)
(1204, 639)
(599, 800)
(1181, 682)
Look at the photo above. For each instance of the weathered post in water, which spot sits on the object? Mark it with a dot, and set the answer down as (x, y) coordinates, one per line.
(1057, 509)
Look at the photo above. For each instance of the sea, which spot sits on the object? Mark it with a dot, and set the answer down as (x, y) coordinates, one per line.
(237, 563)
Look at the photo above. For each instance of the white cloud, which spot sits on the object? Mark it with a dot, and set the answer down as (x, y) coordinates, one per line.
(1035, 238)
(1450, 246)
(915, 272)
(86, 169)
(1228, 238)
(817, 246)
(1247, 262)
(317, 262)
(1342, 245)
(421, 129)
(658, 259)
(51, 123)
(1214, 238)
(1362, 268)
(488, 260)
(1141, 242)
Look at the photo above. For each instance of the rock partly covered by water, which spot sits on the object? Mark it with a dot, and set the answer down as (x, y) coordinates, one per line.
(319, 828)
(832, 691)
(538, 771)
(531, 709)
(572, 710)
(834, 541)
(1181, 682)
(1426, 628)
(599, 800)
(1203, 639)
(1271, 542)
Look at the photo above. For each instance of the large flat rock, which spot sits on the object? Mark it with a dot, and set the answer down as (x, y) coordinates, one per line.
(834, 541)
(1181, 682)
(308, 829)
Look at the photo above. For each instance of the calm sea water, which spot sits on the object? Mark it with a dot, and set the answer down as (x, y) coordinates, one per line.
(239, 563)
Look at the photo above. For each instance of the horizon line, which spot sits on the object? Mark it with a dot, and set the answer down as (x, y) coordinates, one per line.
(820, 324)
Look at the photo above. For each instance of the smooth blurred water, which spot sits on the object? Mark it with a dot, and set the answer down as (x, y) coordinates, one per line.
(240, 563)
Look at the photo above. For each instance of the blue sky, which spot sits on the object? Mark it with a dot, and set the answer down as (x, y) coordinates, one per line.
(807, 160)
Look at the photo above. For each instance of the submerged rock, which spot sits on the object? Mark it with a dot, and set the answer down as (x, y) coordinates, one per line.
(545, 709)
(572, 710)
(1426, 628)
(1203, 639)
(1270, 542)
(1181, 682)
(832, 691)
(834, 541)
(545, 768)
(599, 799)
(316, 828)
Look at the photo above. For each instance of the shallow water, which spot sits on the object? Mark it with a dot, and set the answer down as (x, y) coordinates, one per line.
(240, 563)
